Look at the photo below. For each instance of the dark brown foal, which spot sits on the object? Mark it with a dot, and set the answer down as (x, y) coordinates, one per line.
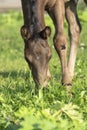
(35, 34)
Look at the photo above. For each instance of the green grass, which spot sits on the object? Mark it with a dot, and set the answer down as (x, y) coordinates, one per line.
(52, 109)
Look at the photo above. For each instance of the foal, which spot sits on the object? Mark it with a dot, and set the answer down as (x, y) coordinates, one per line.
(35, 34)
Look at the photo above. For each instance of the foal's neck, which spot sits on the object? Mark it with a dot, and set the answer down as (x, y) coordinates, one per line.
(37, 22)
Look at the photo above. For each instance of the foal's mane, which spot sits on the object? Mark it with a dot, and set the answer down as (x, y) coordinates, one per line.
(34, 23)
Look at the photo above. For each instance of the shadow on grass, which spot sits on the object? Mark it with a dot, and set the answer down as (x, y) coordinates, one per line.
(7, 74)
(13, 127)
(14, 74)
(17, 127)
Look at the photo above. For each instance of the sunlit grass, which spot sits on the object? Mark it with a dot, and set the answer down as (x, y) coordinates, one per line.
(18, 100)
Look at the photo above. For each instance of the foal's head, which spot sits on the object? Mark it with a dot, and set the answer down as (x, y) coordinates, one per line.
(37, 53)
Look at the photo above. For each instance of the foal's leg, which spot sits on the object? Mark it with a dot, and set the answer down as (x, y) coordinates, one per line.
(57, 14)
(74, 33)
(85, 1)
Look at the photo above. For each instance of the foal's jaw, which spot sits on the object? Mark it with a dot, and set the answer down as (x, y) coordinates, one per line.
(43, 80)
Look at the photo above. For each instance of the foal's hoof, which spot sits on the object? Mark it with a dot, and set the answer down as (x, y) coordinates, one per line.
(67, 83)
(68, 87)
(67, 80)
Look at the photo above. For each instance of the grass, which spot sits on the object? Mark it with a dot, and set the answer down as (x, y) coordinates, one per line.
(52, 109)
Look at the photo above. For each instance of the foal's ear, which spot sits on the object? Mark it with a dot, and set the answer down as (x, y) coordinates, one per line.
(25, 32)
(45, 33)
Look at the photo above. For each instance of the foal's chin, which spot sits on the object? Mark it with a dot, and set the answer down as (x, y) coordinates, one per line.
(44, 84)
(40, 84)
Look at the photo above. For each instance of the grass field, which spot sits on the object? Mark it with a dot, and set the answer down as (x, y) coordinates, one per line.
(52, 109)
